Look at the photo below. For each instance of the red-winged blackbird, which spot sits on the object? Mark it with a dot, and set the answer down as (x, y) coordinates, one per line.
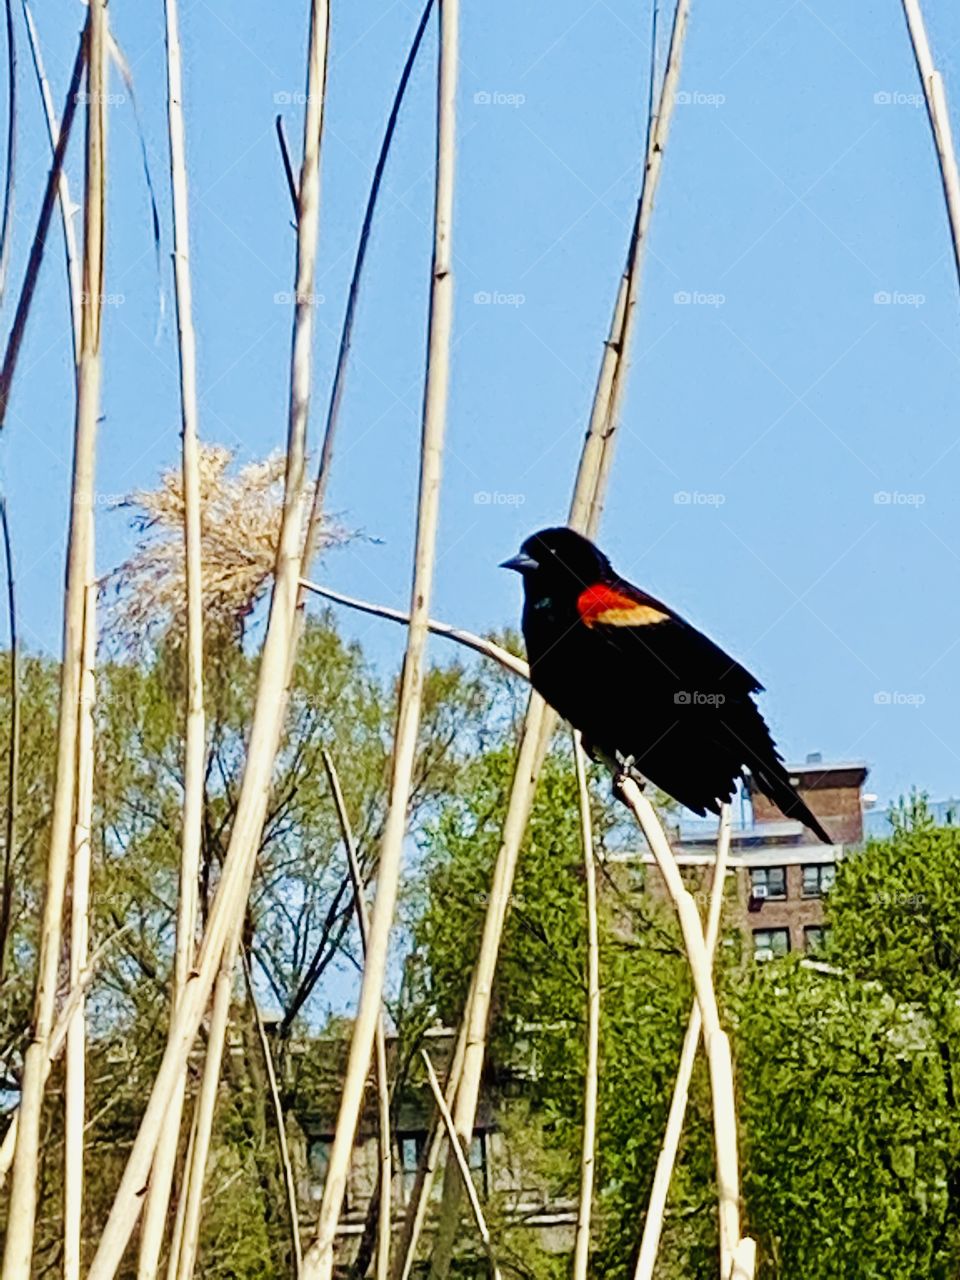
(645, 689)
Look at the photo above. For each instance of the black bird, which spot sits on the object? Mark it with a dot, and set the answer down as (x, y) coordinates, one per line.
(646, 690)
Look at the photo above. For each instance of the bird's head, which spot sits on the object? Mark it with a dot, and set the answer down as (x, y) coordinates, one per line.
(559, 561)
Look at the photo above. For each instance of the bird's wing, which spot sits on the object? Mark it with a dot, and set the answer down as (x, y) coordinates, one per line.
(630, 618)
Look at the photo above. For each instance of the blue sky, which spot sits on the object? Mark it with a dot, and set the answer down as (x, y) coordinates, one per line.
(786, 469)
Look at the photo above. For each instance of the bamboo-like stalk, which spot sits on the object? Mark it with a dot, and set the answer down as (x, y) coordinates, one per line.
(353, 294)
(318, 1263)
(32, 274)
(380, 1037)
(67, 210)
(659, 128)
(585, 511)
(75, 1081)
(18, 1247)
(289, 1181)
(13, 762)
(462, 1167)
(489, 649)
(158, 1193)
(233, 889)
(653, 1223)
(9, 185)
(714, 1037)
(194, 1173)
(939, 117)
(581, 1247)
(58, 1039)
(416, 1212)
(745, 1260)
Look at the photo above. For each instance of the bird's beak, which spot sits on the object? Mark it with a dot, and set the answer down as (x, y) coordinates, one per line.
(521, 563)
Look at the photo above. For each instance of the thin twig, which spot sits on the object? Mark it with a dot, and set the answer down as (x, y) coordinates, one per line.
(581, 1249)
(462, 1165)
(353, 296)
(67, 209)
(318, 1264)
(287, 162)
(289, 1181)
(13, 762)
(489, 648)
(6, 223)
(18, 327)
(380, 1038)
(653, 1222)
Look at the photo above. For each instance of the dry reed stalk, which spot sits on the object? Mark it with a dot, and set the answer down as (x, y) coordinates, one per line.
(659, 128)
(745, 1261)
(233, 889)
(581, 1248)
(57, 1041)
(479, 644)
(585, 510)
(653, 1223)
(353, 293)
(158, 1194)
(462, 1166)
(416, 1212)
(714, 1038)
(13, 765)
(380, 1038)
(939, 117)
(32, 273)
(289, 1180)
(194, 1173)
(75, 1081)
(6, 224)
(318, 1263)
(18, 1248)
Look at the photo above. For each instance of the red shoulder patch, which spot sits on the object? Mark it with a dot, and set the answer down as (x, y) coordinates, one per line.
(601, 605)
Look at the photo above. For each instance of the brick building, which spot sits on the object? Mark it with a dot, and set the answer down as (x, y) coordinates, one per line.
(781, 871)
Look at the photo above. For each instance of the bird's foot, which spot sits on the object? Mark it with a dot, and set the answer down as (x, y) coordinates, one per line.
(624, 770)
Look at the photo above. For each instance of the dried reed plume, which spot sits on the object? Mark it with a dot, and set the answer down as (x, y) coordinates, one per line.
(240, 509)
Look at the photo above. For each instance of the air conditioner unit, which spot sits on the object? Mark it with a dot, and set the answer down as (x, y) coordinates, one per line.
(763, 953)
(759, 891)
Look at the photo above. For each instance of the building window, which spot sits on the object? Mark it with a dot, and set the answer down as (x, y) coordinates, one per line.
(768, 943)
(818, 879)
(477, 1162)
(411, 1145)
(816, 939)
(768, 882)
(318, 1159)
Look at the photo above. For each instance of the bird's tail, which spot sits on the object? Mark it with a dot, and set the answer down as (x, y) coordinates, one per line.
(775, 785)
